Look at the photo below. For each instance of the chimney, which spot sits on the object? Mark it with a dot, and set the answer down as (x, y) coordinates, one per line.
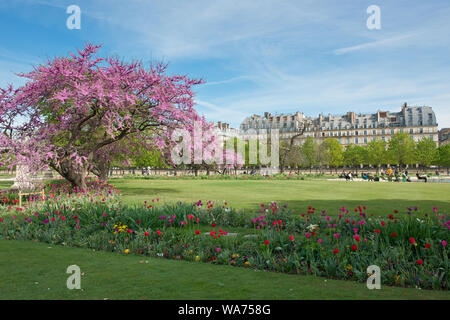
(351, 116)
(404, 106)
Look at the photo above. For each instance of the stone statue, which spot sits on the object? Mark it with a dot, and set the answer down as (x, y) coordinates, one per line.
(24, 178)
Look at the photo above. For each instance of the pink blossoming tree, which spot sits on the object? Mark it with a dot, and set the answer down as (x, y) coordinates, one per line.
(74, 109)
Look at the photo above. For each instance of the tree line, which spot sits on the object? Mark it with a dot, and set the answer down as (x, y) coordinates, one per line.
(401, 150)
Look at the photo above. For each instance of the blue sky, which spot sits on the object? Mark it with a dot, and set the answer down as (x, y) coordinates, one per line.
(313, 56)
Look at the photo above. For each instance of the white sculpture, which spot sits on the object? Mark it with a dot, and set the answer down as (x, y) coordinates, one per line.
(24, 178)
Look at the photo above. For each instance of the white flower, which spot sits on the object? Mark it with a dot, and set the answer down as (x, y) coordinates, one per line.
(312, 227)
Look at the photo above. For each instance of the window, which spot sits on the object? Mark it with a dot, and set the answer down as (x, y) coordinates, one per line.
(365, 140)
(348, 141)
(365, 132)
(374, 132)
(411, 131)
(356, 133)
(392, 131)
(356, 140)
(383, 131)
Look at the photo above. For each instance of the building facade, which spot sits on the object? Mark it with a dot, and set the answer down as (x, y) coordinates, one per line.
(418, 121)
(444, 136)
(223, 130)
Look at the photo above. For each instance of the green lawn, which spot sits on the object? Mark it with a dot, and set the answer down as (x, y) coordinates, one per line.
(31, 270)
(34, 271)
(381, 198)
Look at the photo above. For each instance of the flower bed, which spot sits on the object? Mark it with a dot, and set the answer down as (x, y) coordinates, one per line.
(409, 247)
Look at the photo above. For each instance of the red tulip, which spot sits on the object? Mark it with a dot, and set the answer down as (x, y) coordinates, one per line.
(266, 242)
(354, 247)
(419, 262)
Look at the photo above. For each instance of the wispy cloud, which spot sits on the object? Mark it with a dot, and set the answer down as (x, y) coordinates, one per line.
(227, 81)
(312, 56)
(379, 44)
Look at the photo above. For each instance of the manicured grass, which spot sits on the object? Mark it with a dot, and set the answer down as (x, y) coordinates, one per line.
(30, 270)
(381, 198)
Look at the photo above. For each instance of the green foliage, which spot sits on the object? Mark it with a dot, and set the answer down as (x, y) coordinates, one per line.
(149, 158)
(332, 152)
(426, 152)
(310, 149)
(402, 149)
(444, 155)
(376, 152)
(355, 155)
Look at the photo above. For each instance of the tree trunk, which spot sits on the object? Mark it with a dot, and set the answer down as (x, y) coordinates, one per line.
(68, 170)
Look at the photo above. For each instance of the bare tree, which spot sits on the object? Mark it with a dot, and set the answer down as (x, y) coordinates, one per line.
(287, 148)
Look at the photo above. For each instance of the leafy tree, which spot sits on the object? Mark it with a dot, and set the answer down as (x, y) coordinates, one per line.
(332, 152)
(376, 153)
(355, 155)
(426, 152)
(444, 155)
(310, 149)
(402, 149)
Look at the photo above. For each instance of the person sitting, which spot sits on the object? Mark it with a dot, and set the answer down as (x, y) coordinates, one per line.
(421, 177)
(364, 176)
(405, 177)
